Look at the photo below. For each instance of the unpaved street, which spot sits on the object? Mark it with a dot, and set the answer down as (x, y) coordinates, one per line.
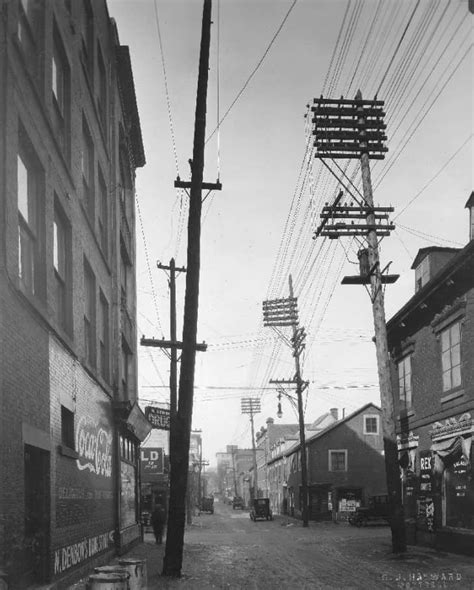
(228, 550)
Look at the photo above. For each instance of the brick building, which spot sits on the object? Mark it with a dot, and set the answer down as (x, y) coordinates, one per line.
(70, 142)
(431, 340)
(345, 466)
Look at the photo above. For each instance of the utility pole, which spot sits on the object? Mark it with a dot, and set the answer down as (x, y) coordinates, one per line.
(251, 406)
(355, 129)
(173, 558)
(280, 313)
(233, 471)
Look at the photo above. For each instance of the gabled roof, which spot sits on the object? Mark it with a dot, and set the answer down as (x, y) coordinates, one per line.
(331, 427)
(423, 252)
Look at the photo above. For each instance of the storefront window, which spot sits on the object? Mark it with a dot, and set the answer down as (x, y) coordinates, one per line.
(459, 494)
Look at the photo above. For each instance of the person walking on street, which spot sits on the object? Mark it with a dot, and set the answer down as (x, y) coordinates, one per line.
(158, 520)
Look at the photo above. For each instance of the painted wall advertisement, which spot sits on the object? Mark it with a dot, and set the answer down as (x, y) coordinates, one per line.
(425, 502)
(76, 553)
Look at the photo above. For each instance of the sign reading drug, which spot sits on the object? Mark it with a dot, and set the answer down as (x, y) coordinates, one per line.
(158, 417)
(151, 460)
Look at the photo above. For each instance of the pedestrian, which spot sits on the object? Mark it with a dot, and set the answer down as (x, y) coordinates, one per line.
(158, 521)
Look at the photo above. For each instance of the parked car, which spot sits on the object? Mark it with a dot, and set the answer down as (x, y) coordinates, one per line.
(207, 505)
(238, 502)
(261, 509)
(377, 510)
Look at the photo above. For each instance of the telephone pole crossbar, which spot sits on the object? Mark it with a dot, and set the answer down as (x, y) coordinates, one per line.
(360, 135)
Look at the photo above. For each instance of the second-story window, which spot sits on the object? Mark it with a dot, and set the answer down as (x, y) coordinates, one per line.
(62, 267)
(338, 460)
(451, 356)
(89, 314)
(371, 424)
(126, 279)
(60, 92)
(404, 382)
(87, 165)
(126, 367)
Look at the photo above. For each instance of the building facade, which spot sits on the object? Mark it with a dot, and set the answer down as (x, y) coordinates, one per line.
(346, 466)
(431, 340)
(70, 142)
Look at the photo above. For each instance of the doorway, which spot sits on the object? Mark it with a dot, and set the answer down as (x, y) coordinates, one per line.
(37, 514)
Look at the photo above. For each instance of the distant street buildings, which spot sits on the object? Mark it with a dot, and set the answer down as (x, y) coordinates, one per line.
(70, 142)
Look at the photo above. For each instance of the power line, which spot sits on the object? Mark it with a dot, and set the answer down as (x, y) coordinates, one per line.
(254, 71)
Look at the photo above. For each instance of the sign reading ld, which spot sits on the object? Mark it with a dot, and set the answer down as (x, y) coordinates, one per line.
(151, 460)
(158, 417)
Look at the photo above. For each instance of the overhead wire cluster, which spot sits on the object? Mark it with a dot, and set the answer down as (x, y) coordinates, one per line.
(405, 54)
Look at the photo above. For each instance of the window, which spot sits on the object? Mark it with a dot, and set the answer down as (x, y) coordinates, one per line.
(29, 182)
(27, 33)
(422, 273)
(67, 427)
(87, 164)
(371, 424)
(87, 40)
(89, 314)
(60, 91)
(62, 267)
(102, 90)
(102, 213)
(451, 356)
(126, 281)
(126, 367)
(404, 382)
(338, 460)
(104, 337)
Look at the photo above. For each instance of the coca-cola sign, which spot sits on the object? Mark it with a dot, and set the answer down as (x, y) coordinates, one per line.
(94, 445)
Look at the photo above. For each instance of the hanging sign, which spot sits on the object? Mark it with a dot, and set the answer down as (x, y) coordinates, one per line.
(158, 417)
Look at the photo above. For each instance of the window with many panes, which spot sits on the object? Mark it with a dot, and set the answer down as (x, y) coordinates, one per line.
(87, 165)
(103, 337)
(422, 273)
(102, 214)
(338, 460)
(451, 356)
(404, 382)
(89, 314)
(62, 266)
(371, 424)
(29, 198)
(126, 278)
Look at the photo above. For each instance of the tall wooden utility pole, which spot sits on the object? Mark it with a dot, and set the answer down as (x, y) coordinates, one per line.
(355, 129)
(251, 406)
(280, 313)
(173, 559)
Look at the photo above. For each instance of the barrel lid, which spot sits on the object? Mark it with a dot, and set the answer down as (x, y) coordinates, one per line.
(104, 569)
(109, 577)
(131, 561)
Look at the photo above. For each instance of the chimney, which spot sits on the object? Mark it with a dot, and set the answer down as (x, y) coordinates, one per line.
(334, 413)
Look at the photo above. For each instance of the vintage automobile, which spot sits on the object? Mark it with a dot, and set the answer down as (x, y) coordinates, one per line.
(261, 509)
(207, 505)
(376, 512)
(238, 502)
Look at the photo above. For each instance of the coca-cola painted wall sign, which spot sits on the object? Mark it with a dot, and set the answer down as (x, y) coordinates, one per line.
(94, 445)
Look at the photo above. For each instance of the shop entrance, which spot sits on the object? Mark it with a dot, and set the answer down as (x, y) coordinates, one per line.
(37, 515)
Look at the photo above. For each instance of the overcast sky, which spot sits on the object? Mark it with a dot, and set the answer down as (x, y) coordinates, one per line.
(272, 57)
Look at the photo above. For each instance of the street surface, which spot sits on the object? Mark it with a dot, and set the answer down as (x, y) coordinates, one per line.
(228, 550)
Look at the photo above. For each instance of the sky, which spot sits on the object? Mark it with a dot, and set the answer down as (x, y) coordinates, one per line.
(268, 60)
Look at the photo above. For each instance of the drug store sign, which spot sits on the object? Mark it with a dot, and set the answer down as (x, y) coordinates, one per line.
(94, 446)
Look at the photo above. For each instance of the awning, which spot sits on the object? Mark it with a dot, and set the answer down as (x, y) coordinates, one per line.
(133, 419)
(449, 451)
